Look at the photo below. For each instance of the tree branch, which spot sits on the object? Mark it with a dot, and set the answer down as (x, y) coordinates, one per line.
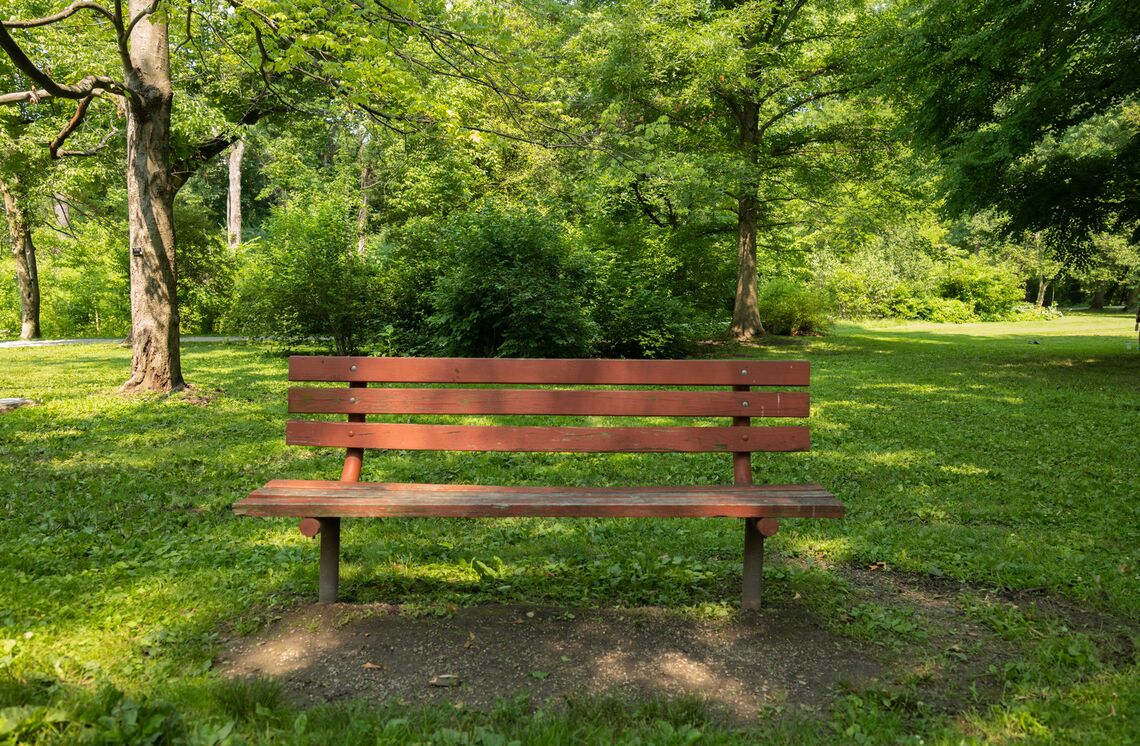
(87, 86)
(70, 10)
(181, 171)
(76, 120)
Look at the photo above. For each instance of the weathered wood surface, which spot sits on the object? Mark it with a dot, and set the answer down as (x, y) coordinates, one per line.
(601, 403)
(580, 372)
(412, 437)
(381, 499)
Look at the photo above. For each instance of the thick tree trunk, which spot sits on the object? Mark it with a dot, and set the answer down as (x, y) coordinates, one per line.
(745, 310)
(156, 363)
(746, 322)
(1098, 295)
(233, 198)
(1042, 287)
(24, 252)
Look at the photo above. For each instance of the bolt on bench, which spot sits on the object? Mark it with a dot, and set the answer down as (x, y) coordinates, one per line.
(321, 504)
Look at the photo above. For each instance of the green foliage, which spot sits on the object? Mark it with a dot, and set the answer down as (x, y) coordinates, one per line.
(788, 308)
(987, 292)
(307, 280)
(512, 288)
(636, 317)
(1031, 107)
(207, 268)
(84, 280)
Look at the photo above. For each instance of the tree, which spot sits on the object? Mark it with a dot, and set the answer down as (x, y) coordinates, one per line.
(233, 195)
(1032, 107)
(24, 252)
(154, 172)
(732, 95)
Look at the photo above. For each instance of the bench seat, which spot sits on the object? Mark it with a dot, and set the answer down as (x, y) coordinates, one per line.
(300, 498)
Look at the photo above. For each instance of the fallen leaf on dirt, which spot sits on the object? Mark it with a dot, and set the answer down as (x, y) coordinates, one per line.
(446, 679)
(540, 675)
(470, 641)
(374, 666)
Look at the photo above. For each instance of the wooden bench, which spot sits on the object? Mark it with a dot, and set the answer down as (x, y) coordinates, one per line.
(460, 389)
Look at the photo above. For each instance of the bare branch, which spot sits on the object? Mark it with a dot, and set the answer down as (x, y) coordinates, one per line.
(70, 10)
(93, 150)
(71, 126)
(20, 97)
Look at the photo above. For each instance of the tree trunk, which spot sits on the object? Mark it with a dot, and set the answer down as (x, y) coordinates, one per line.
(362, 211)
(24, 252)
(1098, 296)
(745, 310)
(62, 211)
(1131, 297)
(156, 363)
(1042, 287)
(233, 199)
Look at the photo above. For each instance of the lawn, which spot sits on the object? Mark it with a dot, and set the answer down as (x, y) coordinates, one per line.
(1000, 457)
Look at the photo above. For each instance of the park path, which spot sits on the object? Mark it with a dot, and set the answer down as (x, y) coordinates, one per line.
(97, 340)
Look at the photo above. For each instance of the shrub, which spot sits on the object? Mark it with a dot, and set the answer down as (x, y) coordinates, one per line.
(636, 317)
(948, 311)
(991, 292)
(790, 309)
(910, 301)
(512, 288)
(409, 263)
(308, 280)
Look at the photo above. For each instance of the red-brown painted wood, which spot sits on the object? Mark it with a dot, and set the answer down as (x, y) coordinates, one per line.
(553, 439)
(602, 403)
(767, 526)
(353, 457)
(581, 372)
(364, 499)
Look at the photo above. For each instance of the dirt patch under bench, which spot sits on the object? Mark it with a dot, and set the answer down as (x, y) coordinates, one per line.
(325, 653)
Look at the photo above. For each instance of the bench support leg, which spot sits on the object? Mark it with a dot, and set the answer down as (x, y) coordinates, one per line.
(330, 560)
(753, 566)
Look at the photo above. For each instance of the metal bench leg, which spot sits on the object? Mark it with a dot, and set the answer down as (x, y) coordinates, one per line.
(330, 560)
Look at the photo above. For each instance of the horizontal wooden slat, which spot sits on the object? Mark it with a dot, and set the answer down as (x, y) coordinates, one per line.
(557, 439)
(369, 499)
(583, 372)
(645, 403)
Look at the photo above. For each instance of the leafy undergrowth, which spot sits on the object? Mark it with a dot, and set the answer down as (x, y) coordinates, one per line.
(1000, 455)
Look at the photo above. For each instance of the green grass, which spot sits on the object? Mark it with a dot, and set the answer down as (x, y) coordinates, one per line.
(961, 451)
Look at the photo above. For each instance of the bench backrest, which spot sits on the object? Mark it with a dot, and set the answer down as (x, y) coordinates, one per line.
(455, 396)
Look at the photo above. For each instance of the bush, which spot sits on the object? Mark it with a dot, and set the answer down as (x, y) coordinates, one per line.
(85, 281)
(638, 318)
(308, 280)
(513, 289)
(948, 311)
(409, 263)
(990, 292)
(790, 309)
